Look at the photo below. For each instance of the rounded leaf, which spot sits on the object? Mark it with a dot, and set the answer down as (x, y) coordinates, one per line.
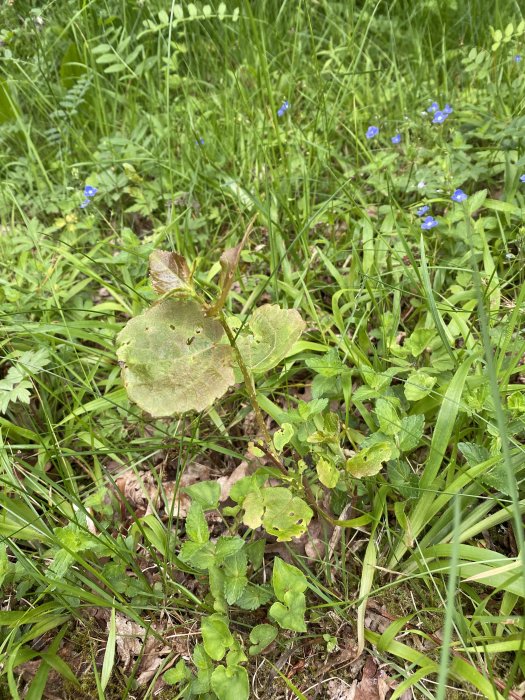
(273, 333)
(230, 683)
(173, 360)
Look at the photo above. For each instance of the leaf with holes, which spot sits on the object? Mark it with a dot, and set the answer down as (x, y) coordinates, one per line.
(369, 461)
(273, 332)
(280, 512)
(173, 359)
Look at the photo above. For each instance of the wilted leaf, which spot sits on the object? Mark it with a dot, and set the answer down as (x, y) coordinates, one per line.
(168, 271)
(173, 360)
(370, 460)
(229, 261)
(273, 333)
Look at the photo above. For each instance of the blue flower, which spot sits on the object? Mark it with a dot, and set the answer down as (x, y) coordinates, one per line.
(282, 109)
(200, 141)
(371, 132)
(428, 223)
(422, 210)
(439, 117)
(522, 178)
(447, 109)
(90, 191)
(433, 107)
(85, 203)
(396, 138)
(459, 196)
(517, 58)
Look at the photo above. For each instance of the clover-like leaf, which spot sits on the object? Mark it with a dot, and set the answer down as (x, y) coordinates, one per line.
(273, 333)
(173, 360)
(290, 614)
(280, 512)
(261, 636)
(168, 271)
(370, 460)
(287, 578)
(230, 683)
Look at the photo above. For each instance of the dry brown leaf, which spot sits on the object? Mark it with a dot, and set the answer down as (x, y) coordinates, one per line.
(367, 688)
(338, 689)
(134, 642)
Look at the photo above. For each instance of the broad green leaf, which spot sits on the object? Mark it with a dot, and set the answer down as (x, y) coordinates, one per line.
(287, 579)
(369, 461)
(411, 432)
(196, 525)
(216, 582)
(283, 436)
(173, 360)
(230, 683)
(328, 365)
(199, 555)
(419, 340)
(254, 596)
(273, 333)
(327, 473)
(290, 614)
(280, 512)
(204, 667)
(261, 636)
(178, 674)
(386, 414)
(205, 493)
(235, 582)
(475, 201)
(418, 385)
(216, 636)
(226, 546)
(168, 272)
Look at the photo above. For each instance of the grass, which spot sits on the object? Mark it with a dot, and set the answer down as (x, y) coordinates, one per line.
(118, 95)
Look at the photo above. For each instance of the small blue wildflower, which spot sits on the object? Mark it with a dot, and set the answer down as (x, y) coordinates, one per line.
(282, 109)
(428, 223)
(396, 138)
(447, 109)
(85, 203)
(90, 191)
(200, 141)
(522, 178)
(433, 107)
(459, 196)
(422, 210)
(517, 58)
(439, 117)
(371, 132)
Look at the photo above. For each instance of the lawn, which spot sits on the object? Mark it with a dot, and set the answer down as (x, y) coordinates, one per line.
(262, 311)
